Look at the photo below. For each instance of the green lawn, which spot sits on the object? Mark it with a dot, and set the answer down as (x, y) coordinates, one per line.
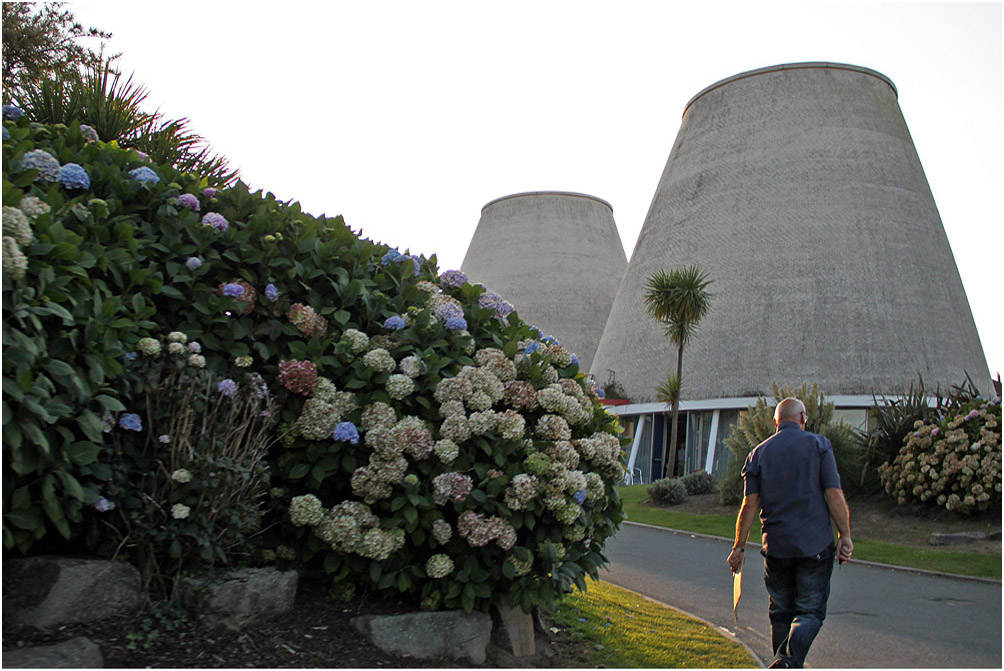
(866, 549)
(626, 630)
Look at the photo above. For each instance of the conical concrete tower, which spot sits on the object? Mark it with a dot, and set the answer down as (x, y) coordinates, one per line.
(557, 257)
(798, 189)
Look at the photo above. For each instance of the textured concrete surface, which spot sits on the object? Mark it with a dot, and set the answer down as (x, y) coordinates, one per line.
(47, 591)
(557, 257)
(800, 193)
(514, 632)
(441, 635)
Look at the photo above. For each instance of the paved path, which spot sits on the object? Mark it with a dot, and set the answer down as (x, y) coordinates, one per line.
(877, 617)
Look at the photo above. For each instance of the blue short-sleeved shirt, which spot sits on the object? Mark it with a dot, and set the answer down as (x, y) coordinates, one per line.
(791, 471)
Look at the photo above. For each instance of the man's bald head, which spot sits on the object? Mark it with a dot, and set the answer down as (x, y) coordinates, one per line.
(790, 410)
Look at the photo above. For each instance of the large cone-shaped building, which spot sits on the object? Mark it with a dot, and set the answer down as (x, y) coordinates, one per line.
(798, 189)
(557, 257)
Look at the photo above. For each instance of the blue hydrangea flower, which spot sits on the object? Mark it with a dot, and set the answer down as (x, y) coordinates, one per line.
(233, 289)
(453, 279)
(45, 163)
(394, 323)
(227, 387)
(532, 347)
(601, 393)
(131, 356)
(144, 174)
(271, 292)
(579, 496)
(401, 258)
(131, 421)
(73, 176)
(551, 340)
(103, 505)
(6, 133)
(217, 221)
(193, 263)
(449, 311)
(389, 256)
(12, 113)
(456, 324)
(189, 201)
(575, 360)
(346, 432)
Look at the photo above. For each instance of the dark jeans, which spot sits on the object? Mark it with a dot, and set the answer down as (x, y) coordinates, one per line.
(798, 589)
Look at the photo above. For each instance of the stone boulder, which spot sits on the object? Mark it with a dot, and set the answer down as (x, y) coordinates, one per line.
(47, 591)
(235, 598)
(441, 635)
(77, 653)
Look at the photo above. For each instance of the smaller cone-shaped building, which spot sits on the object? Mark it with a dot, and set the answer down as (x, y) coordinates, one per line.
(798, 190)
(557, 257)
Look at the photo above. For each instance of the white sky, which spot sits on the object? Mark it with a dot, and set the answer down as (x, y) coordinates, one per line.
(407, 117)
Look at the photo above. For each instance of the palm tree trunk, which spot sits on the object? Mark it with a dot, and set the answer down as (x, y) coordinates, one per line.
(670, 464)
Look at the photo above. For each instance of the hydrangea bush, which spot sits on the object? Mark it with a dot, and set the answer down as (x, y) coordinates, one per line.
(424, 439)
(953, 462)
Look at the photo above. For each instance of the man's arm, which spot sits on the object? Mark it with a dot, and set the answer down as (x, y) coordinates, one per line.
(744, 522)
(841, 515)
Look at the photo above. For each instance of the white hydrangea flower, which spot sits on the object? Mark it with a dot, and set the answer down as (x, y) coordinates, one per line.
(180, 511)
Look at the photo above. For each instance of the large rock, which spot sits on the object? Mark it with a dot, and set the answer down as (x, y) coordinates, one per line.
(235, 598)
(514, 631)
(77, 653)
(47, 591)
(448, 634)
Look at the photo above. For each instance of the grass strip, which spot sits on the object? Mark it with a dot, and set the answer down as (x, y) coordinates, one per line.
(629, 631)
(865, 549)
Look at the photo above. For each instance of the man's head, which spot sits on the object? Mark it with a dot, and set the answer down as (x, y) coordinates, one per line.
(789, 410)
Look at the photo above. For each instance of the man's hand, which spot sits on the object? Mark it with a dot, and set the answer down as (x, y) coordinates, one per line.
(736, 560)
(845, 547)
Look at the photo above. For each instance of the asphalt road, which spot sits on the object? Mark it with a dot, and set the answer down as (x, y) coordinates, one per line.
(877, 617)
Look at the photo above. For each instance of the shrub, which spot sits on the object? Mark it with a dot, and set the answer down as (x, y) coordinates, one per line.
(699, 482)
(430, 442)
(954, 462)
(756, 425)
(667, 491)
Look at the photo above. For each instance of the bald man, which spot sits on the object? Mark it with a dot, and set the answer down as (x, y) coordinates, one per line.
(792, 481)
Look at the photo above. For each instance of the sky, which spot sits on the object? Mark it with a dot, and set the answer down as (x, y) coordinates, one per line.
(408, 117)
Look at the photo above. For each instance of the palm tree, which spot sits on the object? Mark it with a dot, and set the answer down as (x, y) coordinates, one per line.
(679, 300)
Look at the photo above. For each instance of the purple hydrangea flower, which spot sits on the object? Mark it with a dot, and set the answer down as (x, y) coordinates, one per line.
(973, 414)
(143, 155)
(12, 113)
(233, 289)
(74, 176)
(935, 431)
(209, 192)
(144, 174)
(453, 279)
(131, 421)
(103, 505)
(389, 256)
(217, 221)
(131, 356)
(189, 201)
(579, 496)
(164, 438)
(414, 259)
(89, 133)
(6, 133)
(347, 432)
(600, 392)
(227, 387)
(455, 324)
(532, 347)
(575, 360)
(44, 162)
(394, 323)
(193, 263)
(271, 292)
(449, 311)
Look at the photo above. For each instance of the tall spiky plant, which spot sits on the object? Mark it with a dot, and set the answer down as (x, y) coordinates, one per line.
(679, 300)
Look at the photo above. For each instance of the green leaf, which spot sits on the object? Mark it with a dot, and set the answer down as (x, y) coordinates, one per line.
(174, 550)
(71, 486)
(29, 520)
(298, 471)
(109, 403)
(82, 453)
(90, 424)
